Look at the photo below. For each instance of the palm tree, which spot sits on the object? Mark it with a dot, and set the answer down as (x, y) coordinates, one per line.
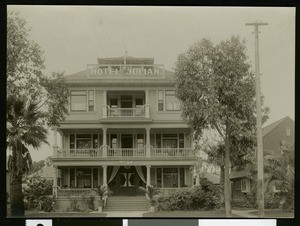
(24, 127)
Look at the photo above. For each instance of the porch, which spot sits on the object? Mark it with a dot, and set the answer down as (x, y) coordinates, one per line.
(121, 180)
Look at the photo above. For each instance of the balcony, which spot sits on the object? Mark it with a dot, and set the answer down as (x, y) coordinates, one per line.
(127, 112)
(119, 153)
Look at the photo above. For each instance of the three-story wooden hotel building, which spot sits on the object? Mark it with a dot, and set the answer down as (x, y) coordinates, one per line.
(124, 130)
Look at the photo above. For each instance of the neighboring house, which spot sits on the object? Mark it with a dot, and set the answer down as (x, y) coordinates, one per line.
(281, 131)
(124, 130)
(47, 173)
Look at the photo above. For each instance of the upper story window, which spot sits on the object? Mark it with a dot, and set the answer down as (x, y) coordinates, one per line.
(82, 100)
(167, 101)
(288, 131)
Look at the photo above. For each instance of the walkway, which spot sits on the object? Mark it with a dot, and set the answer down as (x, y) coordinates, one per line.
(124, 214)
(244, 213)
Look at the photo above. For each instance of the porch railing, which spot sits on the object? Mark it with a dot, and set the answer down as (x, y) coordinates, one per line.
(80, 153)
(126, 112)
(126, 152)
(75, 191)
(170, 190)
(172, 152)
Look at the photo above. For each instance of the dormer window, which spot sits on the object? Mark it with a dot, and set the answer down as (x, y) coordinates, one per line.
(288, 131)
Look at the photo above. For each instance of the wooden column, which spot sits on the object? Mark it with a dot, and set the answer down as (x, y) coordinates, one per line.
(148, 146)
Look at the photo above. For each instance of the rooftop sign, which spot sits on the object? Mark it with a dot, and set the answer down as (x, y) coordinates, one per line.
(125, 71)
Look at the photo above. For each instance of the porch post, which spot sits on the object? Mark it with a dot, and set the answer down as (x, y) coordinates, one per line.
(148, 147)
(104, 175)
(104, 149)
(104, 113)
(55, 147)
(55, 187)
(148, 175)
(147, 108)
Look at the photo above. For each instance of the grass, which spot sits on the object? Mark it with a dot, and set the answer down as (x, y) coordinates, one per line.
(213, 213)
(276, 213)
(36, 214)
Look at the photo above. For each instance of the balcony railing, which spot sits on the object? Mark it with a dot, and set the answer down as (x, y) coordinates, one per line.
(125, 152)
(143, 112)
(172, 152)
(80, 153)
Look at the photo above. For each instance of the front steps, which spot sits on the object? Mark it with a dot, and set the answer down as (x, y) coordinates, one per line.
(126, 203)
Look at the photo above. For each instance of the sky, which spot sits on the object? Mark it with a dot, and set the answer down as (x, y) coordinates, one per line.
(74, 36)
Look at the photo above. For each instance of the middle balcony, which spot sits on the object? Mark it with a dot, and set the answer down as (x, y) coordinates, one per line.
(126, 105)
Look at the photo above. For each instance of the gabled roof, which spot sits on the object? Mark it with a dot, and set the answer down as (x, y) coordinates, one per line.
(272, 126)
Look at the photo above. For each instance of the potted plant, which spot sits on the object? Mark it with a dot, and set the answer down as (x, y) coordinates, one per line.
(151, 192)
(103, 192)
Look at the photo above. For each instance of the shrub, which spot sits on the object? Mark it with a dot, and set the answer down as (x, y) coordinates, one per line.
(204, 197)
(37, 193)
(46, 203)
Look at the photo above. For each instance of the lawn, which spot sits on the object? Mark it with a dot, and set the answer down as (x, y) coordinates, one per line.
(198, 214)
(37, 214)
(276, 213)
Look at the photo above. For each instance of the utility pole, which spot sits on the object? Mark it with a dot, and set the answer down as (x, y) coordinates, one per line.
(259, 152)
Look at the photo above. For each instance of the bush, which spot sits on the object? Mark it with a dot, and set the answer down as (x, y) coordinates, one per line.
(204, 197)
(37, 193)
(46, 203)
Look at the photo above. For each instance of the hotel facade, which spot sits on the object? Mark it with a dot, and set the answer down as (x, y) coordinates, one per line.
(124, 130)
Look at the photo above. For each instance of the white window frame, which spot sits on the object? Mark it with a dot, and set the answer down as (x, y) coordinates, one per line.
(246, 182)
(87, 100)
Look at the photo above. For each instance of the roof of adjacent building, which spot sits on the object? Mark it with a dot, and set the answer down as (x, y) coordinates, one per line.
(214, 178)
(265, 131)
(46, 172)
(273, 125)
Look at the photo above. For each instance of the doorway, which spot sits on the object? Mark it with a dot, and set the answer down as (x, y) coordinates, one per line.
(127, 144)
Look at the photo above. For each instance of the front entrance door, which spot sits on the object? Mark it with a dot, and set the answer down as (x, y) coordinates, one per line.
(127, 182)
(127, 144)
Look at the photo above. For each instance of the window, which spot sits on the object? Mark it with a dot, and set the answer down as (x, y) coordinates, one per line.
(245, 185)
(158, 177)
(288, 131)
(172, 103)
(83, 141)
(160, 100)
(95, 178)
(84, 178)
(237, 185)
(170, 177)
(113, 141)
(167, 101)
(72, 141)
(91, 100)
(140, 141)
(78, 100)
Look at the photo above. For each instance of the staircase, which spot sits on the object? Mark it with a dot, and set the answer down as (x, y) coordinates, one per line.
(126, 203)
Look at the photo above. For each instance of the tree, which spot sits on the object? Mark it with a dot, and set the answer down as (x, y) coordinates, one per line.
(216, 88)
(33, 101)
(279, 172)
